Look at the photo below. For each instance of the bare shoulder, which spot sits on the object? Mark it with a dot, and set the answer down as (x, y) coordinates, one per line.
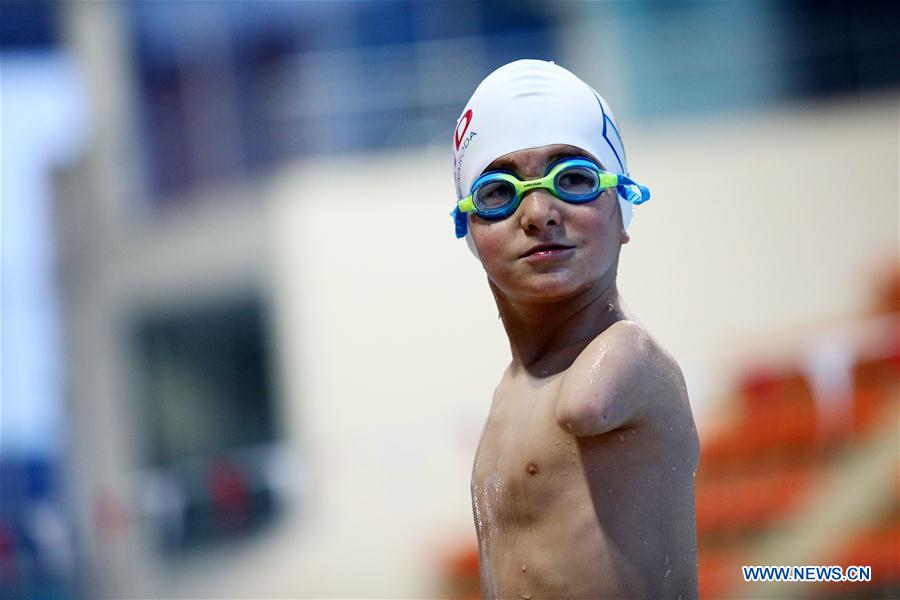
(621, 377)
(625, 358)
(642, 363)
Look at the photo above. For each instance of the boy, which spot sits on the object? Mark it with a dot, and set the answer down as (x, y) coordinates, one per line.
(583, 481)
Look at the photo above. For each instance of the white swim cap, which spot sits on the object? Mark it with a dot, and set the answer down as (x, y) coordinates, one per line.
(529, 104)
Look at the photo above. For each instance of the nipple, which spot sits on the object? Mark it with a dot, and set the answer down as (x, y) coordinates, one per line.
(532, 470)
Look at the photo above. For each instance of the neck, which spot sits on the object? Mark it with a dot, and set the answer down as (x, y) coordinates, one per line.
(546, 337)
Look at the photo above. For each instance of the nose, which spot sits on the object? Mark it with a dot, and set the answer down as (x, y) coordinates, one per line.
(539, 210)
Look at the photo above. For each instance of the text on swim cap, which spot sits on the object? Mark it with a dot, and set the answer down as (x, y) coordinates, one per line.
(462, 126)
(458, 161)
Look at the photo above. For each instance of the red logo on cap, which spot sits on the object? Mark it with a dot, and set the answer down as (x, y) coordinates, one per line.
(462, 127)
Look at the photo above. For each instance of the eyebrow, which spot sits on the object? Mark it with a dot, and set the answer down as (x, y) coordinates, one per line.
(508, 165)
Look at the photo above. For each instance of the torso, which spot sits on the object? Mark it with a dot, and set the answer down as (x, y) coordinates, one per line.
(575, 517)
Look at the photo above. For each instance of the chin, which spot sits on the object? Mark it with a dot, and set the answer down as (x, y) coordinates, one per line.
(549, 287)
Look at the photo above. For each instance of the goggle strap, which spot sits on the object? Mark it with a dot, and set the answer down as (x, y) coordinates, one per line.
(635, 197)
(461, 222)
(626, 189)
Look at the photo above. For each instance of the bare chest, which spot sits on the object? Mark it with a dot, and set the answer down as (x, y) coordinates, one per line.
(524, 457)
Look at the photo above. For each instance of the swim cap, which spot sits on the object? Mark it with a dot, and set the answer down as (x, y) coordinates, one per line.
(529, 104)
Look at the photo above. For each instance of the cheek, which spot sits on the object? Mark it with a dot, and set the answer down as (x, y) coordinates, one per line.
(492, 244)
(598, 231)
(597, 224)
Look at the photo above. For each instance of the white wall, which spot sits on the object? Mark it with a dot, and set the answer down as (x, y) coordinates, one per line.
(393, 347)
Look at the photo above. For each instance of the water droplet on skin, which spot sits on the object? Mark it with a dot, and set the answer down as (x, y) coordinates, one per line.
(673, 467)
(671, 428)
(667, 559)
(667, 574)
(609, 491)
(526, 596)
(573, 452)
(621, 438)
(524, 568)
(572, 461)
(569, 442)
(565, 473)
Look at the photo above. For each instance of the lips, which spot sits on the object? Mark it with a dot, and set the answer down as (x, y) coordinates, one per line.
(546, 249)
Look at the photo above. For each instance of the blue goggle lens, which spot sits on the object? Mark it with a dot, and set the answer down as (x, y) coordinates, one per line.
(577, 183)
(494, 195)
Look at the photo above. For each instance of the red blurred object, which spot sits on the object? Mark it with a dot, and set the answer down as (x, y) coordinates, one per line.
(752, 501)
(230, 494)
(887, 296)
(759, 473)
(461, 573)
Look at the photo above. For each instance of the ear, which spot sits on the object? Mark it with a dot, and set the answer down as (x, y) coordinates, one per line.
(624, 238)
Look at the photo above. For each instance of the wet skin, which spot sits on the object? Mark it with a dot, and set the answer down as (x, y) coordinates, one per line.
(583, 480)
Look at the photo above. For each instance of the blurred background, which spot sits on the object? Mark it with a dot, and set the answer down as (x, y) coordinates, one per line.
(234, 312)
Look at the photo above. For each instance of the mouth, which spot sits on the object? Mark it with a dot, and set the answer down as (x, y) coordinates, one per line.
(547, 250)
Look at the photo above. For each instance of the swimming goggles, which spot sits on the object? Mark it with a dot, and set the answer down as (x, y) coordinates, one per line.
(497, 194)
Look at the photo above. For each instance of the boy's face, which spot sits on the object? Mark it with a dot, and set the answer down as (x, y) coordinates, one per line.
(548, 249)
